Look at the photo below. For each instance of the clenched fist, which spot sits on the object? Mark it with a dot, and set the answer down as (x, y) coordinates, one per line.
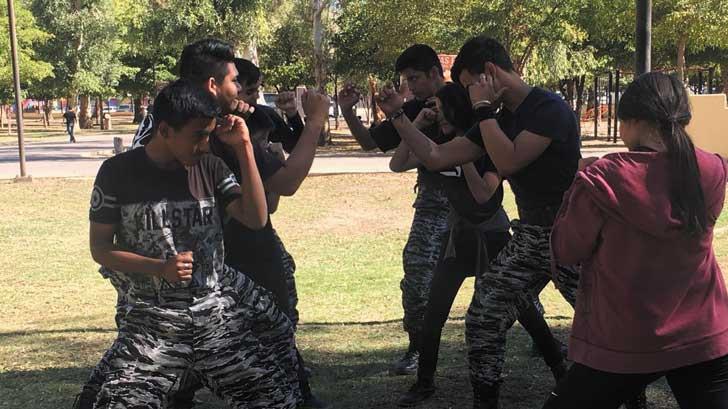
(286, 102)
(178, 268)
(315, 106)
(348, 97)
(389, 99)
(233, 131)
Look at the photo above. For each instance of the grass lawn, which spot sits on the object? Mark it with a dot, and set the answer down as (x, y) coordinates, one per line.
(346, 233)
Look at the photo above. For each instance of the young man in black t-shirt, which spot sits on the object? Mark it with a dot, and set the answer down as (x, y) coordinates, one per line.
(422, 69)
(209, 64)
(70, 118)
(260, 253)
(534, 143)
(257, 252)
(156, 226)
(268, 127)
(477, 232)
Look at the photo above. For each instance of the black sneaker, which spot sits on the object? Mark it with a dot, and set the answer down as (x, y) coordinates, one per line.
(422, 390)
(407, 365)
(312, 402)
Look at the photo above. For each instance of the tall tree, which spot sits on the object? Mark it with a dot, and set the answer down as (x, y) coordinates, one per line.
(33, 69)
(689, 26)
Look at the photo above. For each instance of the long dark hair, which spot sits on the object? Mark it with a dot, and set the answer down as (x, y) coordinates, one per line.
(456, 107)
(662, 101)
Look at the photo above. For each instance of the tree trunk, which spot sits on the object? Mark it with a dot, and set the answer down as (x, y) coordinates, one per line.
(250, 52)
(318, 7)
(46, 114)
(84, 122)
(336, 102)
(101, 114)
(319, 67)
(98, 112)
(682, 44)
(138, 118)
(2, 116)
(724, 76)
(580, 82)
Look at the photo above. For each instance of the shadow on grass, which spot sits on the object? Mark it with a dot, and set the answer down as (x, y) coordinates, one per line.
(350, 369)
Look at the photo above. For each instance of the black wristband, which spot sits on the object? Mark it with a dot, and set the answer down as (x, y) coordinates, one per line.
(396, 114)
(485, 113)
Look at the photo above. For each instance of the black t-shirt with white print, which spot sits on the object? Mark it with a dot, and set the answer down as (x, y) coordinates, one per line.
(461, 198)
(544, 181)
(160, 213)
(244, 246)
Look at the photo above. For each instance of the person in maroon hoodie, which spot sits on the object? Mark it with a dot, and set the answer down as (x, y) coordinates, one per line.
(652, 300)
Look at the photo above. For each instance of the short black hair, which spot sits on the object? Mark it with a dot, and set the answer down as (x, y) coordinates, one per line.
(248, 73)
(456, 107)
(419, 57)
(476, 52)
(181, 102)
(204, 59)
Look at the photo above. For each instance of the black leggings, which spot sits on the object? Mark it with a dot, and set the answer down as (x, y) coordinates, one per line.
(700, 386)
(448, 277)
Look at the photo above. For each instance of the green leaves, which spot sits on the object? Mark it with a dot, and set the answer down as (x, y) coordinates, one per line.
(30, 36)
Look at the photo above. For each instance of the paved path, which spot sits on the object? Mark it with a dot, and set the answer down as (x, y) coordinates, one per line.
(82, 159)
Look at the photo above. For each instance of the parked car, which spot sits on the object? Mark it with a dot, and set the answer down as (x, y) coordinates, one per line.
(269, 98)
(125, 108)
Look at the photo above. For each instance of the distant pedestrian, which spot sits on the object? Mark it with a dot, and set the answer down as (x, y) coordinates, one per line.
(70, 118)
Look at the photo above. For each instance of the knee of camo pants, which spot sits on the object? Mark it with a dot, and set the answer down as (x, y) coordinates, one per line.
(419, 259)
(486, 326)
(271, 328)
(252, 368)
(512, 283)
(567, 282)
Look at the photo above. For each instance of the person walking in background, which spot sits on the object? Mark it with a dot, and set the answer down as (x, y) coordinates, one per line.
(70, 118)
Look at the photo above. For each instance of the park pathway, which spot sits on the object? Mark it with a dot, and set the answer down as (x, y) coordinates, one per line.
(58, 158)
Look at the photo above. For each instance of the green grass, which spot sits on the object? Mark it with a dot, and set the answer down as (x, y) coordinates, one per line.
(346, 233)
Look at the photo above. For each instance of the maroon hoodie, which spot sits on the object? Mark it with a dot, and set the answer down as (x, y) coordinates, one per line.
(651, 297)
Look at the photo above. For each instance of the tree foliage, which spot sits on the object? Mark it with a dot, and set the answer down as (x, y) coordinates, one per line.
(33, 69)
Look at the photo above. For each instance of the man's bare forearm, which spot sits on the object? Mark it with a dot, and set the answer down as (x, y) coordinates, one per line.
(289, 178)
(359, 131)
(115, 258)
(419, 144)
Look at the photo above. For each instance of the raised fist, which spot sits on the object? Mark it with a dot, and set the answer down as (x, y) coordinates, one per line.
(286, 102)
(242, 108)
(233, 131)
(389, 100)
(348, 97)
(315, 106)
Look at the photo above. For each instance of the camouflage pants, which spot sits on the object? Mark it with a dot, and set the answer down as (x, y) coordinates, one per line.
(421, 253)
(513, 282)
(289, 270)
(234, 339)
